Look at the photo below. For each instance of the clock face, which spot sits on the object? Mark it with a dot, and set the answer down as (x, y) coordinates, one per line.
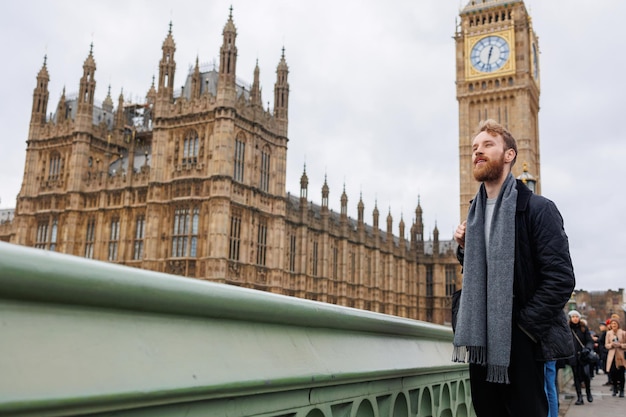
(490, 54)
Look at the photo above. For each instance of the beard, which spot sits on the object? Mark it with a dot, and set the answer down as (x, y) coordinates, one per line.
(491, 170)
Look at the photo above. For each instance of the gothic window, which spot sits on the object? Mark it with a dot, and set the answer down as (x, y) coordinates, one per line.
(292, 253)
(368, 276)
(261, 242)
(47, 234)
(140, 224)
(240, 148)
(90, 237)
(114, 238)
(190, 148)
(450, 280)
(185, 232)
(429, 281)
(314, 257)
(235, 235)
(265, 170)
(352, 267)
(55, 166)
(335, 262)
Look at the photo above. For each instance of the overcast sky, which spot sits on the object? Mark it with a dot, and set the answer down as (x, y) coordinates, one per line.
(372, 97)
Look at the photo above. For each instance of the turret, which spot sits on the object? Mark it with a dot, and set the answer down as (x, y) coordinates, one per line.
(255, 92)
(107, 104)
(152, 94)
(167, 68)
(375, 217)
(360, 211)
(325, 196)
(304, 186)
(344, 204)
(86, 94)
(62, 109)
(196, 83)
(436, 241)
(281, 96)
(119, 116)
(418, 229)
(40, 97)
(226, 88)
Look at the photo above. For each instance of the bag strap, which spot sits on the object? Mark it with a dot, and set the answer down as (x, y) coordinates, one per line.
(576, 336)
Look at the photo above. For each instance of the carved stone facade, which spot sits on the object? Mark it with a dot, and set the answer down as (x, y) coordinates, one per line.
(193, 183)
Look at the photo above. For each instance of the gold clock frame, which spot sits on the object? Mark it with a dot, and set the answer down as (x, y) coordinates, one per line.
(508, 68)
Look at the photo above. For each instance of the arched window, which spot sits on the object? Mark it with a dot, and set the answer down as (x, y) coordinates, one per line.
(190, 147)
(140, 233)
(240, 151)
(54, 169)
(47, 230)
(235, 235)
(185, 232)
(265, 170)
(90, 237)
(114, 238)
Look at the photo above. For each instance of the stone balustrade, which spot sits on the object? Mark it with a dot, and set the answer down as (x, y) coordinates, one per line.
(83, 337)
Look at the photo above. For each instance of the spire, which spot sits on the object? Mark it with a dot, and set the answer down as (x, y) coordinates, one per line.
(375, 215)
(107, 104)
(152, 94)
(344, 203)
(87, 85)
(196, 82)
(255, 92)
(435, 240)
(281, 95)
(401, 227)
(325, 195)
(360, 209)
(419, 224)
(40, 95)
(304, 184)
(228, 62)
(389, 223)
(62, 108)
(167, 67)
(119, 116)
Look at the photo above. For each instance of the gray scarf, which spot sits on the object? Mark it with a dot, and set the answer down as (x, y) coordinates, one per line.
(483, 330)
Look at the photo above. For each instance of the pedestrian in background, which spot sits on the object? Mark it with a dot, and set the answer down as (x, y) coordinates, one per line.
(616, 344)
(517, 277)
(582, 340)
(602, 351)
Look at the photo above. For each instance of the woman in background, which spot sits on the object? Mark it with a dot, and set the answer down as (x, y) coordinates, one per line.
(616, 344)
(582, 339)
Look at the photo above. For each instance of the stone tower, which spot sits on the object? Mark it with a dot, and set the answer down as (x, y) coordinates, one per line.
(497, 77)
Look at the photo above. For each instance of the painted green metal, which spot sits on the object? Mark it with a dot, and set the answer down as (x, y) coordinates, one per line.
(85, 337)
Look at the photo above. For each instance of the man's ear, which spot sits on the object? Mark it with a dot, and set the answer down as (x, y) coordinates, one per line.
(509, 155)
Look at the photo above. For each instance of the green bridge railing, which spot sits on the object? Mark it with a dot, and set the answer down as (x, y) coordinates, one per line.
(82, 337)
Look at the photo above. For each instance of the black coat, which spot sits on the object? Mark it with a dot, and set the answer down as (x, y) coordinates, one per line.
(544, 275)
(580, 332)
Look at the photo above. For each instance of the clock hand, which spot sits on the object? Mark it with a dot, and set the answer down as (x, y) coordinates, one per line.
(489, 56)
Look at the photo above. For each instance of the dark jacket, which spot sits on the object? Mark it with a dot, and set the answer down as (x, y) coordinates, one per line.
(580, 332)
(544, 275)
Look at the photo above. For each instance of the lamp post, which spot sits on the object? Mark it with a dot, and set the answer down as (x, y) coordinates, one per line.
(528, 179)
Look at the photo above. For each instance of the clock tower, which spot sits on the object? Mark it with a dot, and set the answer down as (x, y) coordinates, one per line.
(497, 77)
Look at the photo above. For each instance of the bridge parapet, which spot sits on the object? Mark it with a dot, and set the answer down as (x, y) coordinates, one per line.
(83, 337)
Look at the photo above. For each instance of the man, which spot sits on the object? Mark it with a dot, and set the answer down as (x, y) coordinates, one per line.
(517, 277)
(602, 351)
